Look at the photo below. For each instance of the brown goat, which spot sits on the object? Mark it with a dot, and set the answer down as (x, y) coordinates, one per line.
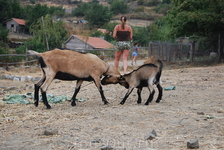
(70, 65)
(145, 76)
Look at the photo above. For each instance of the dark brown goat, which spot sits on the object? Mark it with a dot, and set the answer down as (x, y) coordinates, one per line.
(145, 76)
(70, 65)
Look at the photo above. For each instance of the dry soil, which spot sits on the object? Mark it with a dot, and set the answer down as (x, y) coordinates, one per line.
(91, 124)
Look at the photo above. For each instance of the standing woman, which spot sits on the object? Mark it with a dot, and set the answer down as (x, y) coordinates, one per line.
(123, 34)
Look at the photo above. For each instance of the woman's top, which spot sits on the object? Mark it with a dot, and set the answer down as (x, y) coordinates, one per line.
(122, 34)
(135, 49)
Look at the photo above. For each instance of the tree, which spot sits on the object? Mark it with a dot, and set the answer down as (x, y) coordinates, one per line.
(81, 9)
(139, 38)
(201, 18)
(32, 1)
(166, 1)
(98, 15)
(119, 6)
(45, 28)
(33, 13)
(10, 9)
(3, 40)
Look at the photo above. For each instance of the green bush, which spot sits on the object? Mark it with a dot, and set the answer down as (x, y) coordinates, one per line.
(163, 8)
(32, 1)
(139, 9)
(151, 3)
(3, 48)
(119, 6)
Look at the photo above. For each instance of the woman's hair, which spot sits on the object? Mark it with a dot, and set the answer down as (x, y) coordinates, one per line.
(123, 21)
(135, 44)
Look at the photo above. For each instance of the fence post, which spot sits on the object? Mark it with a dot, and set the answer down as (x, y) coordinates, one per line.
(167, 52)
(191, 52)
(158, 53)
(181, 51)
(219, 49)
(150, 50)
(26, 56)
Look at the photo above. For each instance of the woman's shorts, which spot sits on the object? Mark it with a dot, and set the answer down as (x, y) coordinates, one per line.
(123, 45)
(134, 54)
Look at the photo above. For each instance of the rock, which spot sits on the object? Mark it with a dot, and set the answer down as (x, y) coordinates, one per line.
(220, 111)
(11, 88)
(193, 144)
(1, 68)
(50, 131)
(23, 78)
(9, 77)
(34, 79)
(2, 77)
(95, 129)
(106, 147)
(16, 78)
(29, 78)
(151, 135)
(200, 113)
(74, 129)
(28, 87)
(96, 141)
(57, 81)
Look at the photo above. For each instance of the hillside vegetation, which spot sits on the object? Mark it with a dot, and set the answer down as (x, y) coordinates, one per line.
(200, 21)
(137, 9)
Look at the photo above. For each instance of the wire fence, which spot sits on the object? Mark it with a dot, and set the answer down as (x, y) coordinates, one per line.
(104, 54)
(180, 52)
(169, 52)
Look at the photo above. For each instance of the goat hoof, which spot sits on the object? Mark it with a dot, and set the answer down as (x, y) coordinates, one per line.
(106, 102)
(139, 102)
(122, 103)
(73, 104)
(146, 103)
(36, 104)
(48, 107)
(157, 101)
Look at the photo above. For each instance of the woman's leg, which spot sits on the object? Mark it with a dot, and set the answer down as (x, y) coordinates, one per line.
(117, 58)
(125, 60)
(134, 59)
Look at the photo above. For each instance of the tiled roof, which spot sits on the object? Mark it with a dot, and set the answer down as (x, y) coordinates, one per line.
(96, 42)
(19, 21)
(102, 30)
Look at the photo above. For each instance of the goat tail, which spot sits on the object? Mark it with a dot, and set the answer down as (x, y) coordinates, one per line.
(34, 53)
(155, 61)
(160, 65)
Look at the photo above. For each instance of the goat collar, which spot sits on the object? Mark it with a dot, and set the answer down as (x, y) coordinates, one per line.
(106, 70)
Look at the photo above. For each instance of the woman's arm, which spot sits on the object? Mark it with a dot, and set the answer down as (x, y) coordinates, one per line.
(115, 32)
(131, 34)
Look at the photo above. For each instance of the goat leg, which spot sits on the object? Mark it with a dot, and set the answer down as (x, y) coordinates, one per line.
(44, 97)
(77, 88)
(74, 96)
(126, 95)
(150, 97)
(139, 95)
(36, 94)
(160, 89)
(36, 90)
(102, 95)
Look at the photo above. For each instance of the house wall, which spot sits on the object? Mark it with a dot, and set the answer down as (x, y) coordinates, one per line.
(12, 26)
(75, 43)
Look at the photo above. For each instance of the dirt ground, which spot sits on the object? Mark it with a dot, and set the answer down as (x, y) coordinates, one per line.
(91, 124)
